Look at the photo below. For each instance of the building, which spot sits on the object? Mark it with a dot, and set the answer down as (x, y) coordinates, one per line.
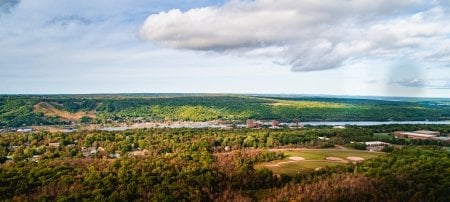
(116, 155)
(339, 127)
(258, 124)
(442, 139)
(275, 124)
(36, 158)
(90, 151)
(375, 143)
(24, 130)
(93, 151)
(53, 144)
(375, 146)
(428, 132)
(250, 123)
(419, 135)
(139, 153)
(227, 148)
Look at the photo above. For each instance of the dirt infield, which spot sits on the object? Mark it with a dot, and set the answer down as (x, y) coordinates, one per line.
(331, 158)
(355, 158)
(296, 158)
(292, 159)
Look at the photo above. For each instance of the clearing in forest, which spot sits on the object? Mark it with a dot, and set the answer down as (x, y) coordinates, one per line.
(310, 160)
(51, 111)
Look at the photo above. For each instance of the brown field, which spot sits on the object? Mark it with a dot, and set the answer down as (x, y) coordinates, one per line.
(49, 110)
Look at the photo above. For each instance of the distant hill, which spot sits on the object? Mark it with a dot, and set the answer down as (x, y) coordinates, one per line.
(20, 110)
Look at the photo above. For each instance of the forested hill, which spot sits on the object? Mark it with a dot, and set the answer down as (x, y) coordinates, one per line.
(21, 110)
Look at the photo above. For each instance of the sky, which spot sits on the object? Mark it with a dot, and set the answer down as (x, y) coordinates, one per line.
(334, 47)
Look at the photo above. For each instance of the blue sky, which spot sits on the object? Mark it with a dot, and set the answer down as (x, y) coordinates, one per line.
(339, 47)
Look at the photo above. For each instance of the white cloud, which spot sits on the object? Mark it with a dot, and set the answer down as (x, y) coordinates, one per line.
(310, 35)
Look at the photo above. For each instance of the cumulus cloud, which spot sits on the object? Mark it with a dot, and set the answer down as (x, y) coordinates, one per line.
(310, 35)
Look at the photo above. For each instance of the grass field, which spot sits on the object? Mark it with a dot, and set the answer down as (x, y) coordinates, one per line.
(314, 159)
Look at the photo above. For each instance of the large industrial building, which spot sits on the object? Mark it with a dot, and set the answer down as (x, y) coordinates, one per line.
(420, 135)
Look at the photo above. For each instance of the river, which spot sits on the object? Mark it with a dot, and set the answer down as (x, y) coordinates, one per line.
(316, 123)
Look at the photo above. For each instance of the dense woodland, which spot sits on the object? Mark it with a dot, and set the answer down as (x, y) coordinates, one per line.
(16, 111)
(213, 164)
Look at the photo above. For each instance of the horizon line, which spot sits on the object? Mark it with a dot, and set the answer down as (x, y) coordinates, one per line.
(207, 93)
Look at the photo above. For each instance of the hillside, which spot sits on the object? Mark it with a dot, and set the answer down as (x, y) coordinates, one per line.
(56, 109)
(51, 111)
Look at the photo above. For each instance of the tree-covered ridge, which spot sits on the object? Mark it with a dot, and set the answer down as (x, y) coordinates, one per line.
(33, 110)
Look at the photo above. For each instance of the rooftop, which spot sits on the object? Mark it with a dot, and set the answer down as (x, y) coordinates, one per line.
(427, 132)
(442, 138)
(417, 134)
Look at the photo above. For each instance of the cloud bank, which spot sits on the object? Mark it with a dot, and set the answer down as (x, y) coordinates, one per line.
(310, 35)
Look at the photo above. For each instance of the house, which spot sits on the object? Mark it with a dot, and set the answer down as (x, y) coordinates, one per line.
(250, 123)
(275, 123)
(139, 153)
(227, 148)
(339, 127)
(114, 155)
(90, 151)
(93, 151)
(53, 144)
(375, 145)
(36, 158)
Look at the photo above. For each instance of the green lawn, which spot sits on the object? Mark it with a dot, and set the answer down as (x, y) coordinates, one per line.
(299, 167)
(381, 134)
(321, 154)
(314, 158)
